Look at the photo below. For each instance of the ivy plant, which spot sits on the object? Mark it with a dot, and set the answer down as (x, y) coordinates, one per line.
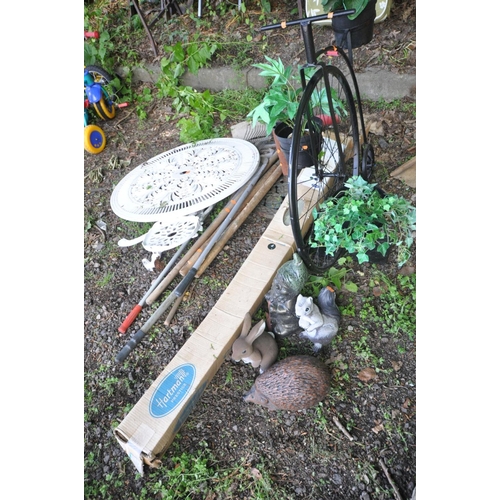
(361, 219)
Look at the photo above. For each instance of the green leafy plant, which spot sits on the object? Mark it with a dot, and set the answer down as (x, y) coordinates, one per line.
(333, 5)
(281, 100)
(333, 276)
(361, 219)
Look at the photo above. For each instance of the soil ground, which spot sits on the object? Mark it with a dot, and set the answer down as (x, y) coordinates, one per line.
(301, 454)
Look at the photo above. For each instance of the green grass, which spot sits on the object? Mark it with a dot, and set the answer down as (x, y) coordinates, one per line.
(105, 280)
(190, 475)
(396, 306)
(404, 105)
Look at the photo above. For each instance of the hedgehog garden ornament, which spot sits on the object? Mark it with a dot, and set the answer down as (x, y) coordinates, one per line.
(294, 383)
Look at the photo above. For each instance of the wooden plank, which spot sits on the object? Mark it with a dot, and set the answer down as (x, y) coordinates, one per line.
(407, 172)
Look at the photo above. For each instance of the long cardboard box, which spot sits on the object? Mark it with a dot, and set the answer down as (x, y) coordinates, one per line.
(150, 427)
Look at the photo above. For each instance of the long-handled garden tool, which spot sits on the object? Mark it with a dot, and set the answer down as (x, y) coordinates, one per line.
(186, 281)
(197, 248)
(138, 308)
(255, 197)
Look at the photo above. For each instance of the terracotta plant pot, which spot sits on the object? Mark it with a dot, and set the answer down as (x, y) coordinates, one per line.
(282, 138)
(283, 143)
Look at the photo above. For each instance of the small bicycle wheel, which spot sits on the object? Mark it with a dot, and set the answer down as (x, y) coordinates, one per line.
(94, 140)
(105, 108)
(105, 79)
(337, 57)
(327, 114)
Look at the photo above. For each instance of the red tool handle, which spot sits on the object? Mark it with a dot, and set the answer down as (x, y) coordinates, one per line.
(130, 318)
(91, 34)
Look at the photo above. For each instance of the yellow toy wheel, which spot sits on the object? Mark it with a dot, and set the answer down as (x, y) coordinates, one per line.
(94, 140)
(104, 110)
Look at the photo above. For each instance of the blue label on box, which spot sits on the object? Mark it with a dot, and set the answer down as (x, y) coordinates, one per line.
(172, 390)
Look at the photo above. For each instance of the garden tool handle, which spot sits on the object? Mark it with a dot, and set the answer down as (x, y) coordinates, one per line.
(130, 318)
(130, 346)
(139, 335)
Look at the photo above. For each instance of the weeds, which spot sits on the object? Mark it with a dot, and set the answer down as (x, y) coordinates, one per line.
(105, 280)
(396, 306)
(363, 351)
(200, 474)
(369, 475)
(201, 115)
(214, 283)
(403, 105)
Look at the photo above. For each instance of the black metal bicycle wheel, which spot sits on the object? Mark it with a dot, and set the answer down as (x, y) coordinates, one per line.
(327, 115)
(337, 57)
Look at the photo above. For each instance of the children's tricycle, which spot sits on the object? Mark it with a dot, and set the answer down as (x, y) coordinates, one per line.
(100, 97)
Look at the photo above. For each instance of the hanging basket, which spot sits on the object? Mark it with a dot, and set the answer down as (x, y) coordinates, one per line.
(359, 30)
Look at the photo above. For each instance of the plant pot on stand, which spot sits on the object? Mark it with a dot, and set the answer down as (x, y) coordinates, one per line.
(352, 33)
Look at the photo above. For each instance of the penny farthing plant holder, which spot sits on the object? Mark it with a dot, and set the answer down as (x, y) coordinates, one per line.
(356, 29)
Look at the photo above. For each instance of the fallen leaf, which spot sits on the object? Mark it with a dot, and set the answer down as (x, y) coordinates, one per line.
(378, 427)
(406, 403)
(397, 365)
(256, 473)
(377, 291)
(333, 359)
(367, 374)
(407, 270)
(375, 127)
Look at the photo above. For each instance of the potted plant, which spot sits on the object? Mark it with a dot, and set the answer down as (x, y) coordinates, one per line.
(362, 219)
(357, 27)
(279, 106)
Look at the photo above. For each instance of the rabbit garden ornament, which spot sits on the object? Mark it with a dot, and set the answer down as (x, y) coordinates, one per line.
(255, 346)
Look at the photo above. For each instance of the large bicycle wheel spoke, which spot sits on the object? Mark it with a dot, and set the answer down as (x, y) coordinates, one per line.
(319, 168)
(337, 57)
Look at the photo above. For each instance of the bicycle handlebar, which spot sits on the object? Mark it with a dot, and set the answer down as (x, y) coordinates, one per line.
(308, 20)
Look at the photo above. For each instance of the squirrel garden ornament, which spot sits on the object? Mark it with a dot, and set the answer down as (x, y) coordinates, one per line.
(320, 323)
(286, 286)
